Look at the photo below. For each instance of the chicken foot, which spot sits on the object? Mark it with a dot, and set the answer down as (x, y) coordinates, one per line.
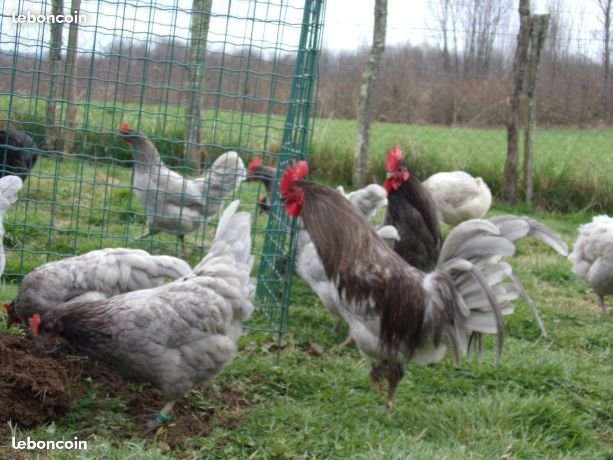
(161, 417)
(394, 374)
(602, 304)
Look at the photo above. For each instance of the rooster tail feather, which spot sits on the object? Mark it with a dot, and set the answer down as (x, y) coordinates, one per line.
(520, 289)
(514, 228)
(496, 310)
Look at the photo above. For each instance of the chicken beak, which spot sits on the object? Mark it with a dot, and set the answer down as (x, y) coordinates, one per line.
(389, 175)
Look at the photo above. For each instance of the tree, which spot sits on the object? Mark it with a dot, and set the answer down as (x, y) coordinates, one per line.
(70, 124)
(360, 169)
(509, 188)
(538, 31)
(199, 30)
(605, 9)
(55, 56)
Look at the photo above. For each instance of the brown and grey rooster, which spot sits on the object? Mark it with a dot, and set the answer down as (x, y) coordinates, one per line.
(399, 314)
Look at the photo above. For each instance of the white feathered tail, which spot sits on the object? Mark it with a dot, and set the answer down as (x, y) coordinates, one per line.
(9, 186)
(231, 250)
(472, 258)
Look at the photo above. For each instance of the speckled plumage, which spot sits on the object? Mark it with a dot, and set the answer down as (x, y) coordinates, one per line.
(96, 275)
(177, 335)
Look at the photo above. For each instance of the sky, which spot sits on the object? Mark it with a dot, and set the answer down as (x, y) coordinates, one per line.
(348, 23)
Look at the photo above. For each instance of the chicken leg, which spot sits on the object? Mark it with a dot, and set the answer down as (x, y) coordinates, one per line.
(161, 417)
(602, 304)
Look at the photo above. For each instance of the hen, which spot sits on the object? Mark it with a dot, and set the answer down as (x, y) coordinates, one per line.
(96, 275)
(9, 186)
(368, 199)
(17, 153)
(397, 313)
(172, 203)
(177, 335)
(459, 196)
(412, 212)
(592, 257)
(257, 171)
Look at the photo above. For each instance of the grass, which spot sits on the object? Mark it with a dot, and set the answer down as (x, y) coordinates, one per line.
(571, 166)
(549, 398)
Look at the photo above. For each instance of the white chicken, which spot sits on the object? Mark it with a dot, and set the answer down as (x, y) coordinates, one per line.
(459, 196)
(368, 199)
(172, 203)
(592, 257)
(96, 275)
(177, 335)
(9, 186)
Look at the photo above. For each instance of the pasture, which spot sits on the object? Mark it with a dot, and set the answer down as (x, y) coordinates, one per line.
(550, 397)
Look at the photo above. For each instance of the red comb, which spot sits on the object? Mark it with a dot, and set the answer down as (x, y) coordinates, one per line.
(255, 164)
(393, 156)
(124, 127)
(34, 323)
(6, 306)
(294, 172)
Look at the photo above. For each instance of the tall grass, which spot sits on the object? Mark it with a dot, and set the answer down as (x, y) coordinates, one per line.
(573, 169)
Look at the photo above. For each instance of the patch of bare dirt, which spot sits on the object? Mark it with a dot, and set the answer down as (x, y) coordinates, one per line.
(37, 386)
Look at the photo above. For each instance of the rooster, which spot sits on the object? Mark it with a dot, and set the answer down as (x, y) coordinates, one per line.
(592, 257)
(459, 196)
(17, 153)
(96, 275)
(257, 171)
(172, 203)
(308, 264)
(399, 314)
(413, 213)
(177, 335)
(9, 186)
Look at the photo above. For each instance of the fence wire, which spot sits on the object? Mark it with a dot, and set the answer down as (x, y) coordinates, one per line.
(198, 78)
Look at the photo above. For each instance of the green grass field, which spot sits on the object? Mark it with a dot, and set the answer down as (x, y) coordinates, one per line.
(572, 167)
(549, 398)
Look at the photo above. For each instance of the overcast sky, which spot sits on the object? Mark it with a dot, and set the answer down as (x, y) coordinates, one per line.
(348, 23)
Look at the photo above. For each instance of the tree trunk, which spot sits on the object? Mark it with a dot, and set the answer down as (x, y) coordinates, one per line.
(55, 56)
(509, 189)
(199, 29)
(360, 169)
(71, 78)
(538, 32)
(606, 23)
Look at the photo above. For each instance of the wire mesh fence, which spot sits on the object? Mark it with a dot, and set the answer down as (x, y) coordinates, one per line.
(198, 79)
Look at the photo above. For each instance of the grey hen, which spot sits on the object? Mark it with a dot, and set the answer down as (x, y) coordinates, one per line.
(172, 203)
(592, 257)
(177, 335)
(96, 275)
